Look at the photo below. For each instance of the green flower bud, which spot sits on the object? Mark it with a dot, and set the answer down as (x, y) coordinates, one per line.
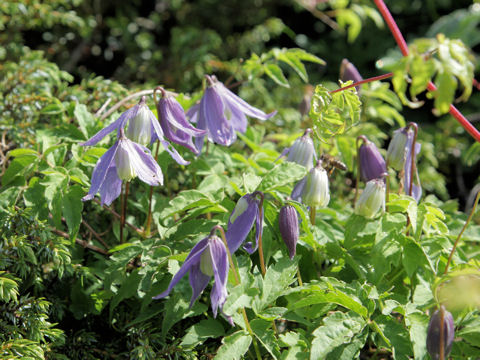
(371, 199)
(316, 191)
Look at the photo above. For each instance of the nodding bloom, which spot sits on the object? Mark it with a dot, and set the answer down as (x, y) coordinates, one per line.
(143, 128)
(174, 123)
(302, 151)
(221, 113)
(208, 258)
(371, 199)
(288, 223)
(348, 71)
(313, 189)
(124, 161)
(399, 156)
(249, 210)
(433, 334)
(372, 164)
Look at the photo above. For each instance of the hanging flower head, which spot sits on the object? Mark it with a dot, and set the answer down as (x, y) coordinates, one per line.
(174, 123)
(249, 210)
(372, 164)
(313, 189)
(302, 151)
(221, 113)
(143, 128)
(433, 333)
(208, 258)
(288, 223)
(371, 199)
(124, 161)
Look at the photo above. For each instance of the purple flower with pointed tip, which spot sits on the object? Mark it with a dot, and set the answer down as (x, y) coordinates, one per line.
(288, 224)
(249, 210)
(123, 161)
(143, 127)
(433, 333)
(348, 71)
(174, 123)
(372, 164)
(208, 258)
(302, 151)
(221, 113)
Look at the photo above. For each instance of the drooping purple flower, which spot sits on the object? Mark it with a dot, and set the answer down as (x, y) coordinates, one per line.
(174, 123)
(249, 210)
(143, 128)
(302, 151)
(123, 161)
(433, 333)
(372, 164)
(313, 189)
(221, 113)
(348, 71)
(288, 223)
(208, 258)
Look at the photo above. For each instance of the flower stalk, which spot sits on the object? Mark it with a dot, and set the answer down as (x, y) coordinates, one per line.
(124, 210)
(412, 161)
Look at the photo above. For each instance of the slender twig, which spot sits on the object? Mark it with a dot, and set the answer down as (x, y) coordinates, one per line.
(103, 107)
(237, 280)
(402, 44)
(412, 162)
(124, 210)
(95, 234)
(148, 223)
(441, 343)
(124, 100)
(318, 14)
(474, 208)
(81, 242)
(375, 78)
(117, 215)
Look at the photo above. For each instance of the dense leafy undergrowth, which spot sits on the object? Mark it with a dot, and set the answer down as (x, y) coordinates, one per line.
(360, 279)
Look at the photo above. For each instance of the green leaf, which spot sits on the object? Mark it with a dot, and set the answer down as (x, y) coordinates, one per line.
(17, 167)
(338, 328)
(72, 209)
(176, 309)
(446, 85)
(294, 62)
(205, 329)
(305, 56)
(282, 174)
(234, 346)
(397, 335)
(85, 119)
(346, 17)
(417, 324)
(266, 336)
(276, 74)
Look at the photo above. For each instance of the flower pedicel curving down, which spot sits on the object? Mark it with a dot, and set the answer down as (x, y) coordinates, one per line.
(123, 161)
(208, 258)
(221, 113)
(143, 128)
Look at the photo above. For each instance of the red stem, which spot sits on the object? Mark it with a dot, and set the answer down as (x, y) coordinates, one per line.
(402, 44)
(375, 78)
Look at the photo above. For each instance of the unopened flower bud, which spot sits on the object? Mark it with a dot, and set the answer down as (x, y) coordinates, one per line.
(397, 149)
(371, 199)
(315, 191)
(140, 127)
(434, 346)
(302, 150)
(288, 223)
(372, 164)
(124, 161)
(348, 71)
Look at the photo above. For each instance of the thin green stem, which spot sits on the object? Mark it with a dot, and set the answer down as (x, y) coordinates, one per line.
(124, 210)
(299, 276)
(313, 214)
(148, 222)
(474, 208)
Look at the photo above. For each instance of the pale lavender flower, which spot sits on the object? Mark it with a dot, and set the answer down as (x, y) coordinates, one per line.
(123, 161)
(302, 151)
(143, 128)
(174, 123)
(249, 210)
(433, 334)
(208, 258)
(372, 164)
(221, 113)
(288, 223)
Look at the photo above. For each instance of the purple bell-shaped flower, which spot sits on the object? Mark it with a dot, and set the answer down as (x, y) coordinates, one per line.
(434, 345)
(372, 164)
(288, 223)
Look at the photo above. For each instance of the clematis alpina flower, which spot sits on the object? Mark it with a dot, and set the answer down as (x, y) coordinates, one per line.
(302, 151)
(416, 189)
(174, 123)
(348, 71)
(372, 164)
(249, 210)
(143, 128)
(124, 161)
(208, 258)
(396, 151)
(433, 334)
(371, 199)
(288, 223)
(313, 189)
(221, 113)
